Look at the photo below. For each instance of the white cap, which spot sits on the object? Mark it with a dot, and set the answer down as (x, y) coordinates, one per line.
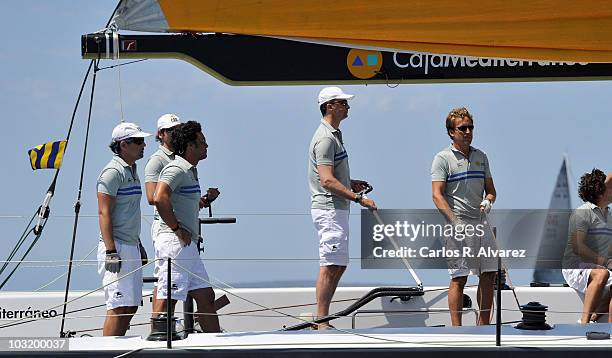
(168, 121)
(127, 130)
(329, 93)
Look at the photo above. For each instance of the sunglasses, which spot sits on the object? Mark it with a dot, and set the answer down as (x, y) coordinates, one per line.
(465, 128)
(137, 140)
(342, 103)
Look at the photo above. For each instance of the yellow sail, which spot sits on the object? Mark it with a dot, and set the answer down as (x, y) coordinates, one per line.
(555, 30)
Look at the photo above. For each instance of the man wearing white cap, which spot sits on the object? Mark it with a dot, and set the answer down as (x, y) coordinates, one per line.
(164, 155)
(119, 194)
(332, 191)
(157, 162)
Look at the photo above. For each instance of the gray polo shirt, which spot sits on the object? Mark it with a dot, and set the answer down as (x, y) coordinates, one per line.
(120, 180)
(596, 223)
(156, 163)
(182, 178)
(154, 166)
(327, 148)
(465, 179)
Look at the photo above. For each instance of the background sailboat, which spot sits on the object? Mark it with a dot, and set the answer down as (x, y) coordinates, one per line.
(554, 234)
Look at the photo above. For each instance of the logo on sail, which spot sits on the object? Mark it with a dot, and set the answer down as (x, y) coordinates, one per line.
(129, 45)
(364, 64)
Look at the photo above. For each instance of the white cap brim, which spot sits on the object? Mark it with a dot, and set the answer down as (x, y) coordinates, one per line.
(166, 126)
(341, 96)
(134, 135)
(346, 96)
(140, 135)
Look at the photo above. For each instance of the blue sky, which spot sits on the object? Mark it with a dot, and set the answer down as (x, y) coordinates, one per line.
(258, 139)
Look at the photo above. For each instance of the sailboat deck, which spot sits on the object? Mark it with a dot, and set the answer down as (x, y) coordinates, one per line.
(562, 341)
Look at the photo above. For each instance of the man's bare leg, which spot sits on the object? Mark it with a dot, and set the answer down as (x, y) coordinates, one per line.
(205, 299)
(153, 304)
(118, 320)
(604, 305)
(327, 282)
(485, 297)
(455, 299)
(610, 306)
(595, 286)
(159, 306)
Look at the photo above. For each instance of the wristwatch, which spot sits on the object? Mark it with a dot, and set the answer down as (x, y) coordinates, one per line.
(178, 226)
(358, 198)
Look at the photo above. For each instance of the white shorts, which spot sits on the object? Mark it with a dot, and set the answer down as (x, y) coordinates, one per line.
(465, 266)
(168, 245)
(154, 228)
(333, 228)
(127, 291)
(579, 278)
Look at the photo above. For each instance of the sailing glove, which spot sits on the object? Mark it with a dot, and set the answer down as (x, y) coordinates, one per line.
(112, 261)
(486, 205)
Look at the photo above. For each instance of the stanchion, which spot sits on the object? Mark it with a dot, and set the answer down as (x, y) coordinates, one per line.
(169, 307)
(498, 317)
(188, 315)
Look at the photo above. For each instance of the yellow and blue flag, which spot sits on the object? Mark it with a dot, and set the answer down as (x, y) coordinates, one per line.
(48, 155)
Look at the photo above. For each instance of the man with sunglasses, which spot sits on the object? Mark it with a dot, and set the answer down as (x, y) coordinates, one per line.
(119, 256)
(332, 191)
(463, 191)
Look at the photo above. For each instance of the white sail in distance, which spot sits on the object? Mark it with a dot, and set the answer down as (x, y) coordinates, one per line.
(554, 234)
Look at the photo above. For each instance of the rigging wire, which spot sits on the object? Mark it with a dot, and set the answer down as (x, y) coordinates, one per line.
(122, 64)
(65, 273)
(119, 85)
(51, 189)
(20, 242)
(77, 205)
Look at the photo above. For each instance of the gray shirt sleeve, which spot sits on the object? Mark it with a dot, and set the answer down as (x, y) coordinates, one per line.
(324, 151)
(171, 175)
(109, 182)
(581, 220)
(487, 167)
(153, 169)
(439, 169)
